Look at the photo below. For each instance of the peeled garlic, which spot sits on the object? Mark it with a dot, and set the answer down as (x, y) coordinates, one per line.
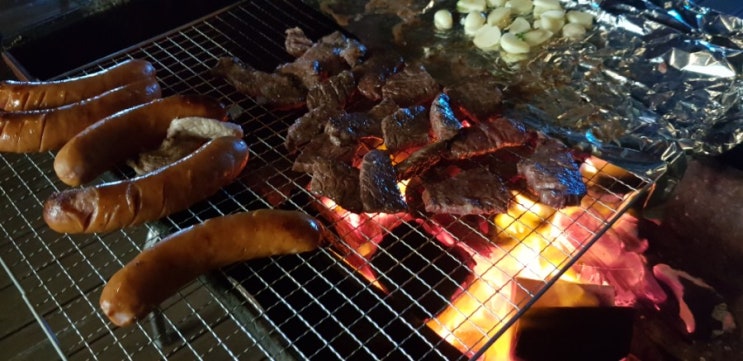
(580, 17)
(500, 17)
(496, 3)
(487, 38)
(519, 25)
(510, 43)
(540, 6)
(520, 7)
(552, 20)
(537, 36)
(473, 22)
(442, 19)
(466, 6)
(573, 31)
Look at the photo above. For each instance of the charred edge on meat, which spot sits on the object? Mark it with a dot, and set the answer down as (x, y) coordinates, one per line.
(378, 184)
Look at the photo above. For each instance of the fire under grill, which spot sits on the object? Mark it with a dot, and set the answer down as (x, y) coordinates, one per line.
(428, 289)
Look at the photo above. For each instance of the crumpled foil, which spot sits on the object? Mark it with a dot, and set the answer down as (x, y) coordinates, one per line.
(653, 79)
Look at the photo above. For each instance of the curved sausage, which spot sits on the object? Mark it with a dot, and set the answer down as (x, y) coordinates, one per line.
(31, 95)
(50, 129)
(158, 272)
(154, 195)
(126, 134)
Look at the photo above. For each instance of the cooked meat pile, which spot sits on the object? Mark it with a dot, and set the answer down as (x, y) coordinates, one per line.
(374, 121)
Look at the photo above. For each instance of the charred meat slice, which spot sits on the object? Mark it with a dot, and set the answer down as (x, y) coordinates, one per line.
(477, 97)
(296, 43)
(486, 137)
(406, 128)
(378, 184)
(421, 160)
(321, 148)
(373, 73)
(412, 86)
(337, 181)
(307, 127)
(323, 59)
(552, 175)
(349, 128)
(383, 109)
(333, 93)
(349, 49)
(278, 90)
(468, 191)
(444, 124)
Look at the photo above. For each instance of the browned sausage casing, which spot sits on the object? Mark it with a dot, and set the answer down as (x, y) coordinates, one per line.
(124, 135)
(31, 95)
(173, 188)
(159, 271)
(50, 129)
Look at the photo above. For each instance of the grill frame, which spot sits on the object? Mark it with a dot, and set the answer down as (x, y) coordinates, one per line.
(217, 313)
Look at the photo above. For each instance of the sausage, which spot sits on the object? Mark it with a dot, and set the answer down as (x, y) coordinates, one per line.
(126, 134)
(33, 95)
(50, 129)
(158, 272)
(151, 196)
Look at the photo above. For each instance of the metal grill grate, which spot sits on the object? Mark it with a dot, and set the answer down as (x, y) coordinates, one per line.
(305, 306)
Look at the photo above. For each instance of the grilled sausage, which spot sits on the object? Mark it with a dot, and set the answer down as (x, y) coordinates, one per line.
(124, 135)
(159, 271)
(50, 129)
(34, 95)
(175, 187)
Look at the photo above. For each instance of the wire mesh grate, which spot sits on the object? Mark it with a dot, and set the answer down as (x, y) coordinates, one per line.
(310, 306)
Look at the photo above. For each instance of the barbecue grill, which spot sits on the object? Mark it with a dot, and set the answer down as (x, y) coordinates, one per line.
(309, 306)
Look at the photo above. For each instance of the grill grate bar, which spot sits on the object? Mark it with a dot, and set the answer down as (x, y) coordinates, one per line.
(310, 306)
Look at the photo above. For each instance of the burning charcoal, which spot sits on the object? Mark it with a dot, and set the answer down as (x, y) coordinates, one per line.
(337, 181)
(320, 147)
(477, 97)
(278, 90)
(307, 127)
(486, 137)
(421, 160)
(333, 93)
(468, 191)
(348, 128)
(412, 86)
(296, 43)
(574, 333)
(374, 72)
(444, 123)
(552, 175)
(406, 128)
(383, 109)
(379, 190)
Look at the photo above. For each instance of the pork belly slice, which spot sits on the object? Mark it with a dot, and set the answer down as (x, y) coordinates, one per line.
(332, 93)
(349, 128)
(339, 182)
(406, 128)
(552, 174)
(278, 90)
(378, 184)
(296, 43)
(412, 86)
(478, 97)
(486, 137)
(444, 124)
(307, 127)
(374, 72)
(468, 191)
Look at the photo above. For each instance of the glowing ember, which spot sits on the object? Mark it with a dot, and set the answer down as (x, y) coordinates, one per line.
(531, 242)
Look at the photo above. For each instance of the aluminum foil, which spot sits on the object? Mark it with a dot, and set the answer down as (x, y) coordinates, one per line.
(652, 80)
